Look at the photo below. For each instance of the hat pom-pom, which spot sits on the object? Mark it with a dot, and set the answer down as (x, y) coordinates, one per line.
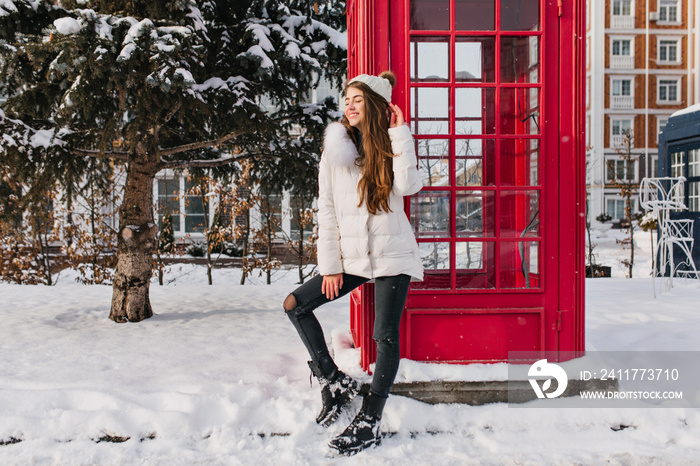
(389, 76)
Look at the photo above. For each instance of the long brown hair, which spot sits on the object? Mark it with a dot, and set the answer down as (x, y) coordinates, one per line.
(375, 161)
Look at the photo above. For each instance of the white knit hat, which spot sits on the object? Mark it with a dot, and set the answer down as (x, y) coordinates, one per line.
(379, 85)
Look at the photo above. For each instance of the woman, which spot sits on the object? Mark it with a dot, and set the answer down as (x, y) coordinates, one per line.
(367, 166)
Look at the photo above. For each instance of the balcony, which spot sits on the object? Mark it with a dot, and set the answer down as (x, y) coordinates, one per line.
(622, 22)
(622, 101)
(622, 62)
(619, 142)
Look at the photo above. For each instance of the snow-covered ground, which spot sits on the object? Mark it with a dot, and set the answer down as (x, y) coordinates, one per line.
(219, 376)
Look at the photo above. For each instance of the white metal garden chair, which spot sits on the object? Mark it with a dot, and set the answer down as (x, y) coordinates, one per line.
(661, 196)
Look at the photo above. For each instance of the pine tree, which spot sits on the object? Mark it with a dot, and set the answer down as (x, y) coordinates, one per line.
(158, 85)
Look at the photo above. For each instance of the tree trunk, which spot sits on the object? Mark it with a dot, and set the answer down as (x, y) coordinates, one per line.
(136, 242)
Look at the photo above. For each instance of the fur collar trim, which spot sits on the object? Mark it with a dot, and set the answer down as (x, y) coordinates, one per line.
(338, 147)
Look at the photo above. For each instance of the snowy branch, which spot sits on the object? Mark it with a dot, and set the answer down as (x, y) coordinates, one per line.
(99, 154)
(180, 164)
(202, 144)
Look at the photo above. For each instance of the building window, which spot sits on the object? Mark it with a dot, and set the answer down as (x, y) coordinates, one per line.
(622, 56)
(271, 210)
(619, 128)
(669, 50)
(622, 7)
(615, 207)
(169, 201)
(194, 209)
(661, 123)
(622, 93)
(668, 11)
(302, 217)
(176, 196)
(654, 166)
(622, 12)
(668, 91)
(619, 170)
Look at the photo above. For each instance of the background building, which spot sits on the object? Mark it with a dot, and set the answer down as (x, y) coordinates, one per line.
(642, 65)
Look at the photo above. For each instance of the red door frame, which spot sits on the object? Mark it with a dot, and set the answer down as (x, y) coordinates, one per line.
(559, 302)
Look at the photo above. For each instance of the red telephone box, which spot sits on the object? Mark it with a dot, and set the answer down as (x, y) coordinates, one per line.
(493, 91)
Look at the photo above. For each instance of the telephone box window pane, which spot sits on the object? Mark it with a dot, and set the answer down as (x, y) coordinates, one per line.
(430, 110)
(520, 113)
(520, 15)
(694, 162)
(520, 59)
(519, 214)
(475, 162)
(520, 264)
(474, 263)
(434, 161)
(520, 162)
(475, 214)
(475, 59)
(475, 15)
(436, 264)
(430, 15)
(475, 111)
(430, 214)
(430, 59)
(435, 256)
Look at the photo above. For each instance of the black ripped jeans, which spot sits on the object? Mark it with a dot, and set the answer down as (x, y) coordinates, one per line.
(389, 299)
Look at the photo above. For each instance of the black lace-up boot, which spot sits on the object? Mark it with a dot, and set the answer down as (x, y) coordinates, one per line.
(336, 392)
(363, 432)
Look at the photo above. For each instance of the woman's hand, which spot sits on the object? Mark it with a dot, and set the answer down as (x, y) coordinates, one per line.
(331, 285)
(396, 116)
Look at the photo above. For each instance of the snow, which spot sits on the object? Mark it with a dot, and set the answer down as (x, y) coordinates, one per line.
(691, 109)
(67, 26)
(7, 7)
(219, 376)
(265, 61)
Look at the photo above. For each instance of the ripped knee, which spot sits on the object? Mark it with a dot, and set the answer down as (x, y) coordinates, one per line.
(290, 303)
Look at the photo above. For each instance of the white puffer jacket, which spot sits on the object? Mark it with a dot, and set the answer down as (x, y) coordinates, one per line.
(352, 240)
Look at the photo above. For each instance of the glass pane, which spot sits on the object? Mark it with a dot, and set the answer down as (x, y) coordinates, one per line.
(475, 59)
(474, 111)
(520, 59)
(436, 264)
(694, 162)
(435, 256)
(474, 262)
(475, 162)
(677, 168)
(520, 214)
(194, 223)
(520, 111)
(430, 15)
(430, 214)
(693, 197)
(430, 59)
(430, 110)
(475, 213)
(475, 15)
(193, 205)
(168, 187)
(520, 264)
(433, 161)
(520, 15)
(520, 162)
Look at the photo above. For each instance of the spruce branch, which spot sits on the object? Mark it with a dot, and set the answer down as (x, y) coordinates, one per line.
(212, 163)
(111, 154)
(202, 144)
